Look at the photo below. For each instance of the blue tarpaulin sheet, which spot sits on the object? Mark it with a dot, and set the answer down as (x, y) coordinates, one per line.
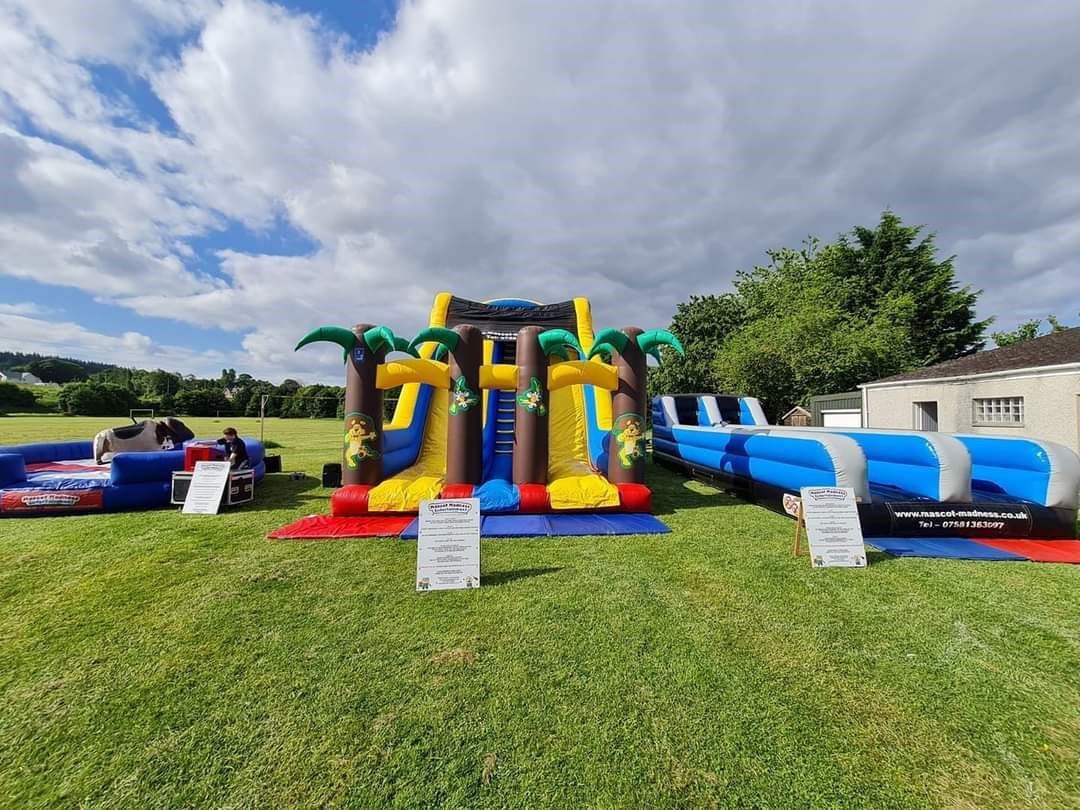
(959, 548)
(560, 525)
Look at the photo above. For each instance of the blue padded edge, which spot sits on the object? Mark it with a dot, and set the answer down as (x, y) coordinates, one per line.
(138, 468)
(43, 452)
(957, 548)
(12, 469)
(786, 462)
(59, 484)
(905, 461)
(146, 495)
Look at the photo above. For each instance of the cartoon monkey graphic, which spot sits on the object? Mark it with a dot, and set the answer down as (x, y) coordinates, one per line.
(358, 439)
(629, 439)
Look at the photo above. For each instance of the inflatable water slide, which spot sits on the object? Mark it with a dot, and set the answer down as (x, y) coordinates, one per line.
(920, 493)
(516, 403)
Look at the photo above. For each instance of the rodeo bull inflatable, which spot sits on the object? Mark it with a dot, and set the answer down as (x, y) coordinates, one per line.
(142, 437)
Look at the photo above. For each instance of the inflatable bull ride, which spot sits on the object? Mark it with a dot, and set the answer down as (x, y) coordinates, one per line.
(515, 403)
(121, 469)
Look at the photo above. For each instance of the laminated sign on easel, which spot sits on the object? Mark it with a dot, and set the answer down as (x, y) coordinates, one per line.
(207, 487)
(833, 532)
(448, 545)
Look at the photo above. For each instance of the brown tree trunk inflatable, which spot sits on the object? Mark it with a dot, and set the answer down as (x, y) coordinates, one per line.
(464, 431)
(531, 416)
(363, 446)
(626, 451)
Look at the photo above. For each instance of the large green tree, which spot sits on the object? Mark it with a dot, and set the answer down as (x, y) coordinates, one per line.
(801, 336)
(703, 323)
(894, 260)
(824, 318)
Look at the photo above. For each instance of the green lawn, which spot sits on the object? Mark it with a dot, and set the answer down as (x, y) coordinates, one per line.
(149, 659)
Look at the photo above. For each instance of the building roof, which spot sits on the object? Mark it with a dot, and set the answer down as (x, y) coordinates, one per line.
(796, 408)
(1055, 349)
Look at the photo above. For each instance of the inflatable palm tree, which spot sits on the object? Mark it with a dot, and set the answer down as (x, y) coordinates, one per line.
(627, 349)
(464, 347)
(365, 346)
(534, 349)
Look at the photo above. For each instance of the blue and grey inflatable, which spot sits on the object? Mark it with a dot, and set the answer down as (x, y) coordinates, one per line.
(909, 483)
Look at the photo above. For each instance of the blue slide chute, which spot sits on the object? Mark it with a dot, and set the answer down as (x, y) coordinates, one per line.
(909, 483)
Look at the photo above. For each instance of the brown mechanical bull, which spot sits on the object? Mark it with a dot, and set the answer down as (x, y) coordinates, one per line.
(142, 437)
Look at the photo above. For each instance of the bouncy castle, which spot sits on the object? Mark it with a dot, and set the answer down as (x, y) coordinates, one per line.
(518, 404)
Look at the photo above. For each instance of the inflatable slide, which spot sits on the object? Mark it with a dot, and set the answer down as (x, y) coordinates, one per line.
(516, 403)
(920, 493)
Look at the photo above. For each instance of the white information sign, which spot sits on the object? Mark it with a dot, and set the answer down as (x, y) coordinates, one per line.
(448, 545)
(832, 527)
(207, 486)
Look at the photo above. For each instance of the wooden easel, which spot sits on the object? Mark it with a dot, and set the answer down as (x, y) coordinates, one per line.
(799, 524)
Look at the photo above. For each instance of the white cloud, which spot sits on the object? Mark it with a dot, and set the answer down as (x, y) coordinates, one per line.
(636, 154)
(22, 308)
(21, 333)
(111, 30)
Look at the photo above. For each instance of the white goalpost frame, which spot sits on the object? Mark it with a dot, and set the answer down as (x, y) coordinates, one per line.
(145, 413)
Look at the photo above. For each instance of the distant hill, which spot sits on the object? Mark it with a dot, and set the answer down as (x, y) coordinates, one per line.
(51, 368)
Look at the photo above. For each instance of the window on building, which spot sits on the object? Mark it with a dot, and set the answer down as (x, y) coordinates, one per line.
(925, 416)
(998, 411)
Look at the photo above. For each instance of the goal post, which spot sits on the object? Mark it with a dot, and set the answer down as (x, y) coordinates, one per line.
(140, 413)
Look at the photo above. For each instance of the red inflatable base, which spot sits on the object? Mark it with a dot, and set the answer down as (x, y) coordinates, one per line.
(351, 500)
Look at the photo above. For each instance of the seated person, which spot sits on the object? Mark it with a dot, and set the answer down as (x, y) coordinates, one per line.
(235, 450)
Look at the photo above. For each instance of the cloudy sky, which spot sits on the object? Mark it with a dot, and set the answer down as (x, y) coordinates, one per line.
(195, 184)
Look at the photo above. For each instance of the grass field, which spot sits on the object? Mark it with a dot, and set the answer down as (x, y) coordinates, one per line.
(151, 660)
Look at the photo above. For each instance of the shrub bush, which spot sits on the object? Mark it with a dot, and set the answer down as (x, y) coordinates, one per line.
(15, 398)
(97, 399)
(202, 402)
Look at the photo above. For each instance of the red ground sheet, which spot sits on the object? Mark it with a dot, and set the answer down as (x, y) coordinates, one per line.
(328, 527)
(1060, 551)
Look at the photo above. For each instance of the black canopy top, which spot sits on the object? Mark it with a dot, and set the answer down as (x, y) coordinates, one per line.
(503, 322)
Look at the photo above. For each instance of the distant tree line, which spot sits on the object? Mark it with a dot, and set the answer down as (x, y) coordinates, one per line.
(1029, 330)
(102, 390)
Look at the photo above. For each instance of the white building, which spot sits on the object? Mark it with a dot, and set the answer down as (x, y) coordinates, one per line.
(23, 377)
(1027, 389)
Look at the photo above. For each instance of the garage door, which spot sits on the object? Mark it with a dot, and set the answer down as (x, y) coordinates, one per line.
(844, 418)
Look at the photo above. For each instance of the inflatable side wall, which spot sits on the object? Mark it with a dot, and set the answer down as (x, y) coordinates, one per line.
(1043, 472)
(916, 484)
(927, 465)
(785, 461)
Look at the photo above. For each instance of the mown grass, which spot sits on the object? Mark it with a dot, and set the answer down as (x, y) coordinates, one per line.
(154, 660)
